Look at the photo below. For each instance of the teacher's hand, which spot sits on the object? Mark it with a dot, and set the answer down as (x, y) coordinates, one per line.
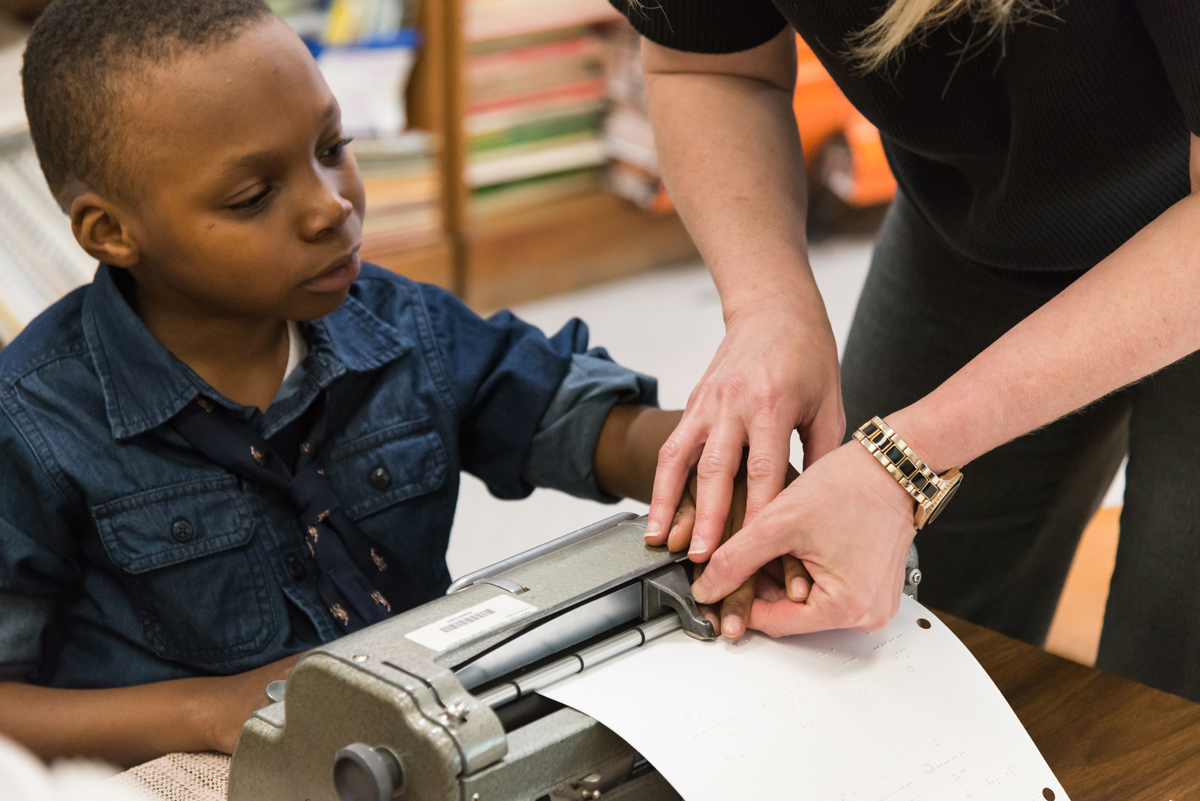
(850, 524)
(775, 371)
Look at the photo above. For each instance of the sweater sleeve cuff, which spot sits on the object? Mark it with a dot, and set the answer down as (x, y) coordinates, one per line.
(704, 26)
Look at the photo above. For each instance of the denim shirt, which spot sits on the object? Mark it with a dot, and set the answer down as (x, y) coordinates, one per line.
(127, 557)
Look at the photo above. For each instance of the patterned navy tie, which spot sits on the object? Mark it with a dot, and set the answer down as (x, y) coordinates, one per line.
(359, 581)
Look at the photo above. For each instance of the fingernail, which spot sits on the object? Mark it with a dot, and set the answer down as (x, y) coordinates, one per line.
(732, 627)
(652, 529)
(696, 548)
(701, 590)
(799, 587)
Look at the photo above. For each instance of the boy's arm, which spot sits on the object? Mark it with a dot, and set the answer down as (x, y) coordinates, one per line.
(627, 450)
(130, 725)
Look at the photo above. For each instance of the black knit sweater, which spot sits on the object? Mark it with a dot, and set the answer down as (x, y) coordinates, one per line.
(1044, 150)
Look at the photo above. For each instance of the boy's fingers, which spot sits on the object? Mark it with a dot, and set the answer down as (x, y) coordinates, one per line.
(681, 526)
(796, 578)
(735, 610)
(719, 463)
(675, 460)
(767, 587)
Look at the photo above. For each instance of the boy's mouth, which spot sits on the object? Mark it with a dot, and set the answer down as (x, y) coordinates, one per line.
(337, 276)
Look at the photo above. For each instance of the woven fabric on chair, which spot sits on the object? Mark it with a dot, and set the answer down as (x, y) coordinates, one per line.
(180, 777)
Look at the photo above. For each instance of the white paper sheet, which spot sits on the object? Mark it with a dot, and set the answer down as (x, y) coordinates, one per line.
(904, 714)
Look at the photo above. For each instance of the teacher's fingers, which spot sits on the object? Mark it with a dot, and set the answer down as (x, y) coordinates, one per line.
(822, 612)
(709, 611)
(719, 463)
(825, 432)
(767, 462)
(675, 460)
(734, 562)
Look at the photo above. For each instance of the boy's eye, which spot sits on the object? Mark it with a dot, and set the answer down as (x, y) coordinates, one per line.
(252, 203)
(335, 151)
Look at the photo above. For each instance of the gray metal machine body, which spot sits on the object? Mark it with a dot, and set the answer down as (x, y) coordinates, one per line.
(377, 715)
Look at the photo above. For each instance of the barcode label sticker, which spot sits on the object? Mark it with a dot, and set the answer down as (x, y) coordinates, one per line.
(471, 622)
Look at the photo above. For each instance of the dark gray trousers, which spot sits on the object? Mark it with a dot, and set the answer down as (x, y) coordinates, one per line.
(1000, 553)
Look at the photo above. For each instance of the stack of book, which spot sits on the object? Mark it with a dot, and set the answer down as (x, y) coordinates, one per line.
(499, 19)
(536, 100)
(39, 258)
(633, 170)
(403, 187)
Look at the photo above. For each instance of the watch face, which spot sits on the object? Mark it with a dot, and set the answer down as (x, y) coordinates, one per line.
(937, 510)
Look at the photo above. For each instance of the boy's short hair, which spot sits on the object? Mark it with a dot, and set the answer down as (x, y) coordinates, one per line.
(79, 56)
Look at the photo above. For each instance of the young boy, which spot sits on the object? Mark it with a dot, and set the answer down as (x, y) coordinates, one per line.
(196, 487)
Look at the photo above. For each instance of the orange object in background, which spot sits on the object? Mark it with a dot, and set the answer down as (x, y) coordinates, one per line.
(841, 147)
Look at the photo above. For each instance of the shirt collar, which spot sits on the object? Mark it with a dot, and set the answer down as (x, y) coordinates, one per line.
(145, 385)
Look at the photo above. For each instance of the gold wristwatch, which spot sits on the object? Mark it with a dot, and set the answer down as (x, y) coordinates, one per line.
(931, 491)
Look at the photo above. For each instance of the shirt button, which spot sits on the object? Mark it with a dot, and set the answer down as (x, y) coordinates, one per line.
(296, 568)
(182, 530)
(380, 478)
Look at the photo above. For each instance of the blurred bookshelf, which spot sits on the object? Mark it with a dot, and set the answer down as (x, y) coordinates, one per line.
(530, 95)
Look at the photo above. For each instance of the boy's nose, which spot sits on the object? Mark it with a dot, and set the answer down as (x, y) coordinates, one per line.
(327, 212)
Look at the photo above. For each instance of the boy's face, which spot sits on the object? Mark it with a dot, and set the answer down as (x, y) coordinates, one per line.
(247, 203)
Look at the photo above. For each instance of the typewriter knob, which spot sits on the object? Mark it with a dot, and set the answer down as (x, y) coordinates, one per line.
(363, 773)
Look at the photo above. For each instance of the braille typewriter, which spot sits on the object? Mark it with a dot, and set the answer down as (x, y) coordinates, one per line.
(441, 702)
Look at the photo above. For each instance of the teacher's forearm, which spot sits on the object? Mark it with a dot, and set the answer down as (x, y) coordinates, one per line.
(731, 157)
(1131, 315)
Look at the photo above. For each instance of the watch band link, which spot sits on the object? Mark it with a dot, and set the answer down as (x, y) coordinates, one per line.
(925, 486)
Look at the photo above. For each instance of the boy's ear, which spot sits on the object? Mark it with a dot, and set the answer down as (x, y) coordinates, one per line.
(102, 228)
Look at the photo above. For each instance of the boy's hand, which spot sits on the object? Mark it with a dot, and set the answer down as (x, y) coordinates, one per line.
(131, 725)
(729, 619)
(229, 701)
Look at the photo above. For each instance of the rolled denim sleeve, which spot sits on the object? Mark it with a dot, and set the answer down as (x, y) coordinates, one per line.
(563, 449)
(501, 375)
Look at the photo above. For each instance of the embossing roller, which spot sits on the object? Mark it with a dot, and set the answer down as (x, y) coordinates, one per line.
(441, 703)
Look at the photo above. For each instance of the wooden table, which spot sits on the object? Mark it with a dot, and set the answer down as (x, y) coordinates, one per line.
(1106, 738)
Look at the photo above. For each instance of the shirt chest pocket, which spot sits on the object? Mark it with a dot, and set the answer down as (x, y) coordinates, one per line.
(191, 569)
(371, 473)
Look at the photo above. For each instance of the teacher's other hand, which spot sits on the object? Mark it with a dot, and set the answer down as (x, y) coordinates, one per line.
(849, 523)
(776, 371)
